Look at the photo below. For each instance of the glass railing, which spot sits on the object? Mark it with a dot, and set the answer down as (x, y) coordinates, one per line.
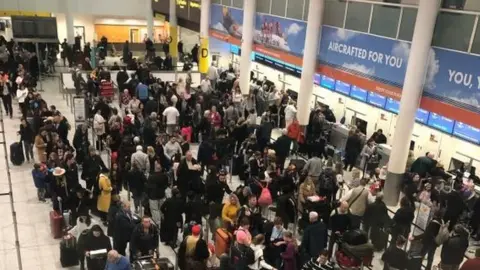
(455, 29)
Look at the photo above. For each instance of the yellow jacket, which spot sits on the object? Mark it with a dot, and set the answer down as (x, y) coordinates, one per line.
(103, 202)
(229, 213)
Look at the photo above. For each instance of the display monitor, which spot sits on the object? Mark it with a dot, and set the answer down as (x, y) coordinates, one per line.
(327, 82)
(441, 123)
(290, 69)
(392, 105)
(376, 100)
(342, 87)
(34, 27)
(299, 71)
(358, 93)
(235, 49)
(466, 132)
(422, 116)
(317, 79)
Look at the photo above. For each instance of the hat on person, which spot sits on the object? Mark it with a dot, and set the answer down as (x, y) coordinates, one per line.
(58, 171)
(242, 237)
(196, 229)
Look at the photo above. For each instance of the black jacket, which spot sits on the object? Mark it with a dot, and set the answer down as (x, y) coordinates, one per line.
(142, 241)
(314, 239)
(200, 254)
(115, 207)
(157, 183)
(26, 134)
(454, 249)
(215, 191)
(353, 146)
(376, 214)
(282, 146)
(124, 225)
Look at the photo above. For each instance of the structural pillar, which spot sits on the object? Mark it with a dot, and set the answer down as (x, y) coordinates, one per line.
(69, 22)
(248, 31)
(314, 23)
(173, 32)
(204, 56)
(149, 19)
(411, 95)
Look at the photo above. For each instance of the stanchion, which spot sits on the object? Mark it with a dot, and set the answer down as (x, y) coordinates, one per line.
(10, 193)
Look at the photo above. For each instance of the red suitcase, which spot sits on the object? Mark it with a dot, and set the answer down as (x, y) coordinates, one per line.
(56, 224)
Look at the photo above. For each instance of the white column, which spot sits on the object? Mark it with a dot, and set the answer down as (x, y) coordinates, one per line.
(173, 31)
(204, 17)
(314, 23)
(69, 21)
(411, 95)
(247, 42)
(204, 57)
(149, 19)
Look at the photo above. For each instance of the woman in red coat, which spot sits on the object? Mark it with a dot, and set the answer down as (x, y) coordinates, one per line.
(215, 118)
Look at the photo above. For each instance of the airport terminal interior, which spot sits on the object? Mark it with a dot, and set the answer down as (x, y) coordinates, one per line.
(406, 67)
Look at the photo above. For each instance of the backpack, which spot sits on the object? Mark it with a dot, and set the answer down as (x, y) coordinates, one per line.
(265, 198)
(327, 179)
(443, 233)
(242, 255)
(142, 92)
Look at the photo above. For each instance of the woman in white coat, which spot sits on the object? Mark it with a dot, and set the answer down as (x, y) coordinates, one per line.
(99, 128)
(258, 247)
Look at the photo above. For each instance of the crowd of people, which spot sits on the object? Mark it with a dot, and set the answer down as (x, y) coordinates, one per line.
(149, 137)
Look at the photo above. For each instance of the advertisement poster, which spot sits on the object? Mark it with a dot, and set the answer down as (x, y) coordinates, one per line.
(280, 34)
(226, 21)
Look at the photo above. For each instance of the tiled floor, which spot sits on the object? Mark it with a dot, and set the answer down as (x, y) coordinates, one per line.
(37, 248)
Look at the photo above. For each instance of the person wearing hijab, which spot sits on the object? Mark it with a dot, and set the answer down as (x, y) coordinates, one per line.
(96, 240)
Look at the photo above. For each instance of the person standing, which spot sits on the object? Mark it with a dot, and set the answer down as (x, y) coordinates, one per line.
(454, 249)
(5, 86)
(123, 229)
(116, 261)
(22, 93)
(104, 199)
(358, 199)
(26, 136)
(290, 113)
(353, 148)
(157, 183)
(314, 238)
(395, 257)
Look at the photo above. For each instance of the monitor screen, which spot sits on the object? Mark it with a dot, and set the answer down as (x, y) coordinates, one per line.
(421, 116)
(392, 105)
(290, 69)
(376, 100)
(466, 132)
(342, 87)
(441, 123)
(317, 78)
(34, 27)
(235, 49)
(327, 82)
(358, 93)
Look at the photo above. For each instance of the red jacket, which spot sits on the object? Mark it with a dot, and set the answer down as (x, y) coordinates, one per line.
(216, 119)
(106, 89)
(293, 130)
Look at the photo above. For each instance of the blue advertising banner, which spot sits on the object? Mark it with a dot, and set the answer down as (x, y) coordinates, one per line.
(226, 20)
(280, 34)
(369, 56)
(452, 77)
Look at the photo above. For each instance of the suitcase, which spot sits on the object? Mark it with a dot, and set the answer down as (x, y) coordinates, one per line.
(149, 263)
(16, 154)
(68, 251)
(56, 223)
(299, 163)
(222, 241)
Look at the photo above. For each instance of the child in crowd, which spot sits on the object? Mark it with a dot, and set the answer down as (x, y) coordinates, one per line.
(39, 174)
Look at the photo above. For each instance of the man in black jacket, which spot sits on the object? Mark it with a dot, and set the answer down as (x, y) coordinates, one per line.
(282, 149)
(157, 183)
(122, 78)
(314, 238)
(124, 225)
(454, 248)
(145, 239)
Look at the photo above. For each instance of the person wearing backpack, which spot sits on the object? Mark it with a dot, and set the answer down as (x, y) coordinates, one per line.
(314, 238)
(241, 254)
(142, 92)
(454, 249)
(429, 245)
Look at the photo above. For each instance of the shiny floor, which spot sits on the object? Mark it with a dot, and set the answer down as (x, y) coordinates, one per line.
(37, 248)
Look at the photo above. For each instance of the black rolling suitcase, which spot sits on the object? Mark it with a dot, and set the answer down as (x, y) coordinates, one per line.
(16, 154)
(68, 251)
